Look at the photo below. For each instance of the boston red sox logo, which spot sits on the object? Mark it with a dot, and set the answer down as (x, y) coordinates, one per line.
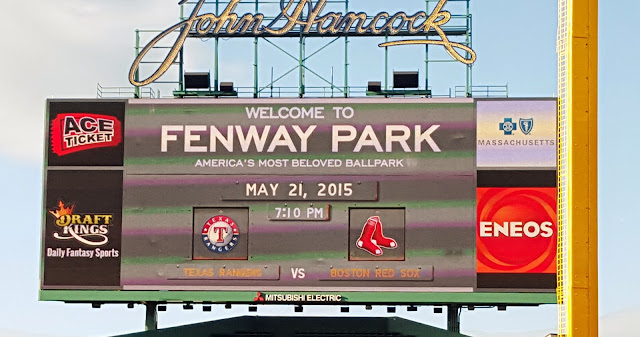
(372, 239)
(220, 234)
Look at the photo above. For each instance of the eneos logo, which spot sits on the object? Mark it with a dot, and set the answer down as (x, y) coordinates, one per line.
(516, 230)
(74, 132)
(89, 229)
(220, 234)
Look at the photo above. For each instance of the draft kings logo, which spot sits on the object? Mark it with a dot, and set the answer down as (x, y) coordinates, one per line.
(75, 132)
(88, 229)
(516, 231)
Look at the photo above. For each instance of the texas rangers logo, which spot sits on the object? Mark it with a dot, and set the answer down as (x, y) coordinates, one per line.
(526, 125)
(220, 234)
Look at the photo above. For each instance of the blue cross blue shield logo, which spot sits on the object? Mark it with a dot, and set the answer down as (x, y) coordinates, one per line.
(526, 125)
(508, 126)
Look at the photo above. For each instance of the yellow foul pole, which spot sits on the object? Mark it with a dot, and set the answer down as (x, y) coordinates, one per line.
(578, 181)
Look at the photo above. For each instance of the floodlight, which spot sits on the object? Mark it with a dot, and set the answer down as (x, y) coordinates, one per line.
(197, 80)
(405, 79)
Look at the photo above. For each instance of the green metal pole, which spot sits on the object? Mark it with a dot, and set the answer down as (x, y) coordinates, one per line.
(216, 63)
(301, 66)
(453, 318)
(426, 55)
(346, 56)
(151, 316)
(255, 68)
(332, 85)
(216, 51)
(471, 46)
(346, 67)
(426, 72)
(255, 63)
(468, 42)
(216, 56)
(181, 61)
(181, 71)
(386, 64)
(137, 74)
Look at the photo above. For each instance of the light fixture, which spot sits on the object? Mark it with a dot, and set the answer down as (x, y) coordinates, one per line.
(405, 79)
(226, 87)
(374, 86)
(200, 80)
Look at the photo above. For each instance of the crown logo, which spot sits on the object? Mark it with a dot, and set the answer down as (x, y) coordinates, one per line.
(62, 210)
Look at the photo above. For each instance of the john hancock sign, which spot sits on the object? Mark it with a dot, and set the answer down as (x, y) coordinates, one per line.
(306, 17)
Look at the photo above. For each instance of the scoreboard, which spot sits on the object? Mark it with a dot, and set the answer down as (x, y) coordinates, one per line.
(300, 200)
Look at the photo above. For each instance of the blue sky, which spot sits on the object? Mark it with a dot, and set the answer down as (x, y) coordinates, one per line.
(69, 45)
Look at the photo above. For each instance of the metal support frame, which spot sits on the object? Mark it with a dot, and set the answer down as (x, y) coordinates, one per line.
(453, 317)
(181, 57)
(346, 57)
(255, 60)
(468, 42)
(344, 89)
(301, 67)
(137, 74)
(386, 64)
(216, 51)
(151, 316)
(578, 168)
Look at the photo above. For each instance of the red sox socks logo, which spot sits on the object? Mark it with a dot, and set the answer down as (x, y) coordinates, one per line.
(372, 237)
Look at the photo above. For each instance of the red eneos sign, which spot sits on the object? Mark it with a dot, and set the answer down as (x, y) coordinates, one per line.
(516, 230)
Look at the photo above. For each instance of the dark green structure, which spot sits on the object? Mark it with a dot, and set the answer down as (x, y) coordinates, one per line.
(303, 326)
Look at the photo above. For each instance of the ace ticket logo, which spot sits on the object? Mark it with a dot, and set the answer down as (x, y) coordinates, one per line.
(220, 234)
(75, 132)
(516, 230)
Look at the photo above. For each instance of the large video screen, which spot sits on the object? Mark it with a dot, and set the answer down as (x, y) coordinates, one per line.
(300, 201)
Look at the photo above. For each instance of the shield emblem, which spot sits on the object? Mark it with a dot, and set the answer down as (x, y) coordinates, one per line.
(526, 125)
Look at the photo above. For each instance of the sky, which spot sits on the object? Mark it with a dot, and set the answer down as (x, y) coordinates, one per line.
(63, 48)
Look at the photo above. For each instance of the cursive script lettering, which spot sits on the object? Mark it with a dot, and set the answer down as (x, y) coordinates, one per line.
(303, 16)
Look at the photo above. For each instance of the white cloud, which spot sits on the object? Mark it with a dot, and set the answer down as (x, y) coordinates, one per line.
(612, 325)
(11, 333)
(624, 323)
(62, 49)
